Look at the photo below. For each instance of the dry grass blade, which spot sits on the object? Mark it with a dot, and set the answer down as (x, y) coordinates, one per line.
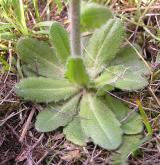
(27, 124)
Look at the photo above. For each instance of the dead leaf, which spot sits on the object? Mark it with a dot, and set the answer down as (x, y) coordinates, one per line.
(71, 155)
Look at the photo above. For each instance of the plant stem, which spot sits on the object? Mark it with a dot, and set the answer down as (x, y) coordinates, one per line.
(75, 28)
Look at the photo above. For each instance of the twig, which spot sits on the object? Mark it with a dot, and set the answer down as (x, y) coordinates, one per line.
(48, 152)
(130, 103)
(46, 8)
(38, 141)
(27, 125)
(10, 92)
(29, 161)
(6, 161)
(135, 8)
(43, 157)
(140, 56)
(13, 131)
(154, 96)
(2, 122)
(92, 156)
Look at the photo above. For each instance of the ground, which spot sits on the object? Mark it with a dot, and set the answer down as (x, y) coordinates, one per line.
(20, 143)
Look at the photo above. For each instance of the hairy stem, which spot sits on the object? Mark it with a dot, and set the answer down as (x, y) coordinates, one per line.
(75, 28)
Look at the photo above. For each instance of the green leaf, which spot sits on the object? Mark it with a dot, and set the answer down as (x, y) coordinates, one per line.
(18, 8)
(59, 5)
(110, 76)
(7, 36)
(84, 41)
(130, 144)
(60, 40)
(104, 44)
(76, 71)
(128, 57)
(118, 160)
(74, 132)
(102, 91)
(53, 117)
(99, 123)
(132, 81)
(36, 9)
(43, 24)
(45, 89)
(137, 70)
(131, 121)
(5, 26)
(39, 57)
(28, 72)
(133, 124)
(93, 16)
(122, 77)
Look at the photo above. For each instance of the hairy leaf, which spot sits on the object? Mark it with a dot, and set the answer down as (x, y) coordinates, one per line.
(102, 91)
(53, 117)
(110, 76)
(6, 36)
(128, 57)
(122, 77)
(132, 81)
(74, 132)
(84, 42)
(130, 144)
(131, 121)
(43, 24)
(60, 40)
(99, 123)
(105, 43)
(28, 72)
(93, 16)
(136, 79)
(5, 26)
(45, 89)
(39, 57)
(76, 71)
